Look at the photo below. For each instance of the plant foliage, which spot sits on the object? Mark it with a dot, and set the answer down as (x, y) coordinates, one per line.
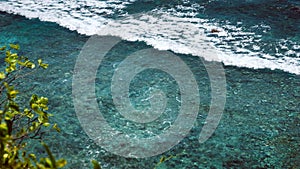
(20, 122)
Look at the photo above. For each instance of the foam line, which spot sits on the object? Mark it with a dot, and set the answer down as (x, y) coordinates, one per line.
(180, 32)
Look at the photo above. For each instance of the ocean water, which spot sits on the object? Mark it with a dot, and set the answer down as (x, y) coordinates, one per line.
(257, 43)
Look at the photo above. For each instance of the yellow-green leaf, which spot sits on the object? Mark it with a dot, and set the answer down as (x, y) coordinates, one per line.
(31, 128)
(56, 127)
(46, 124)
(3, 48)
(32, 156)
(12, 93)
(30, 65)
(10, 68)
(3, 126)
(14, 46)
(5, 155)
(34, 106)
(61, 163)
(7, 53)
(30, 115)
(96, 165)
(162, 159)
(48, 162)
(2, 75)
(14, 55)
(43, 65)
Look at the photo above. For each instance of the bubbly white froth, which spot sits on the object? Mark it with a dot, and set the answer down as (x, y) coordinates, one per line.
(176, 31)
(182, 35)
(84, 16)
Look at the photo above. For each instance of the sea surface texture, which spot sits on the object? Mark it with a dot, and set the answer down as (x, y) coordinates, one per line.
(257, 42)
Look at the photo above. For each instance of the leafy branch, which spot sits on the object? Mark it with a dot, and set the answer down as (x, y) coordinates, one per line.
(19, 124)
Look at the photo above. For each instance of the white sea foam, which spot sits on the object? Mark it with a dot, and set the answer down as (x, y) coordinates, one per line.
(180, 32)
(84, 16)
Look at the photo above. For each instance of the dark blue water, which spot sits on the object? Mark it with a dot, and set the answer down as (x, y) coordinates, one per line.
(260, 125)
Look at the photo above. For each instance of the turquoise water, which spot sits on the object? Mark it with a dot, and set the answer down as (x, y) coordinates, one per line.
(260, 126)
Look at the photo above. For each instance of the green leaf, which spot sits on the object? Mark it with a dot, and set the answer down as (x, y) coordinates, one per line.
(56, 127)
(34, 106)
(30, 65)
(7, 53)
(3, 48)
(14, 46)
(28, 113)
(14, 55)
(9, 115)
(43, 65)
(48, 162)
(162, 159)
(3, 126)
(2, 75)
(52, 159)
(96, 165)
(34, 126)
(10, 69)
(61, 163)
(13, 93)
(46, 124)
(32, 156)
(43, 101)
(38, 103)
